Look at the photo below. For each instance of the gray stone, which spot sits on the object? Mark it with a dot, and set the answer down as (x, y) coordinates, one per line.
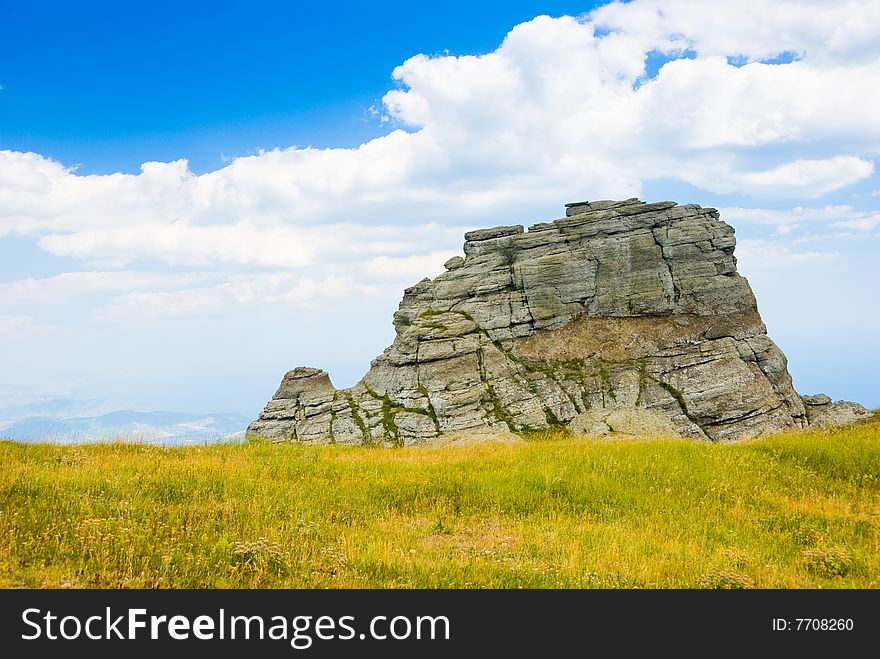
(494, 232)
(578, 207)
(628, 421)
(453, 263)
(841, 413)
(817, 399)
(628, 312)
(474, 437)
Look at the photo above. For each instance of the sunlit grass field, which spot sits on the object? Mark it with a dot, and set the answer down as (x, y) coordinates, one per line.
(795, 510)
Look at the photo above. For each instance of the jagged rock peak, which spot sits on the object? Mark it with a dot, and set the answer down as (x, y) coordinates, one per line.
(619, 304)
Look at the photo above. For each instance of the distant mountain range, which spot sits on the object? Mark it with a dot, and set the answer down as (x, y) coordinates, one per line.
(57, 419)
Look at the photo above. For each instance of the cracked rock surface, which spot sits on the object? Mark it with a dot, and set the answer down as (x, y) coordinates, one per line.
(619, 304)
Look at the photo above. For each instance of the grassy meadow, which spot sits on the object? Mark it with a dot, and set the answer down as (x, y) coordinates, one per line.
(794, 510)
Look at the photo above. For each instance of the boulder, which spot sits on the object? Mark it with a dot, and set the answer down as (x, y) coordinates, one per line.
(618, 304)
(841, 413)
(626, 421)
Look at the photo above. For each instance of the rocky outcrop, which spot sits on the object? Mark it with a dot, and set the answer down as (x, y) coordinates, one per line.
(822, 412)
(619, 304)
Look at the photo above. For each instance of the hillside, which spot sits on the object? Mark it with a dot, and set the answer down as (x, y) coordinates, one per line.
(793, 510)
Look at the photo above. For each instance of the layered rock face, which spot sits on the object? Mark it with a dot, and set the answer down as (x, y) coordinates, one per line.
(620, 304)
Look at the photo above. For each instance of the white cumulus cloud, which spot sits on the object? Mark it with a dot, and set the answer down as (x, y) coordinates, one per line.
(561, 109)
(867, 222)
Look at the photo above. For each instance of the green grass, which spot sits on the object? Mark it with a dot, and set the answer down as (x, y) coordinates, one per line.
(795, 510)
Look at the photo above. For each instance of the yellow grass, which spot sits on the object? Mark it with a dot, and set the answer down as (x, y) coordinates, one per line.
(796, 510)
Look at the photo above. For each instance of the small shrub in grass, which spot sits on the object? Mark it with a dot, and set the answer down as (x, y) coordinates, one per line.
(735, 557)
(259, 555)
(723, 579)
(828, 561)
(807, 536)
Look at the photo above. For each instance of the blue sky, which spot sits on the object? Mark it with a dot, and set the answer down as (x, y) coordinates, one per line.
(195, 197)
(110, 85)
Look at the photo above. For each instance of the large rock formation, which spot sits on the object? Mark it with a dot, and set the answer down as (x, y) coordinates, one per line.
(620, 304)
